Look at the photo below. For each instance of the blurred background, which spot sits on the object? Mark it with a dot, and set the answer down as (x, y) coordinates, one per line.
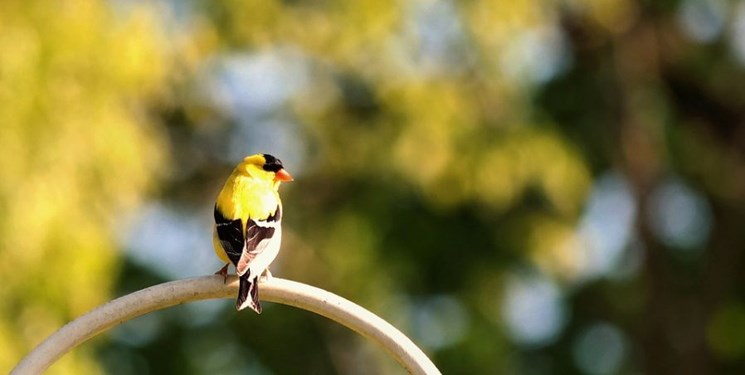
(524, 187)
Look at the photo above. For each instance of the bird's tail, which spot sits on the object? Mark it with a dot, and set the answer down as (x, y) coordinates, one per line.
(248, 293)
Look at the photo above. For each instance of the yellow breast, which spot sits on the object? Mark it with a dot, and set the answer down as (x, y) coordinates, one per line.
(245, 197)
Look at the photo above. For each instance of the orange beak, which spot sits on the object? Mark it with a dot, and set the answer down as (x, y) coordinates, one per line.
(282, 175)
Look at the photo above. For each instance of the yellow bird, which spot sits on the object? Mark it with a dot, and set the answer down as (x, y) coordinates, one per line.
(248, 216)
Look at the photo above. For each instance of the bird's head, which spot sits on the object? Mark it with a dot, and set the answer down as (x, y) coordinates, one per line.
(267, 167)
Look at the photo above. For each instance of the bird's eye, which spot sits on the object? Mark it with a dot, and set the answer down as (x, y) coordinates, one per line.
(271, 164)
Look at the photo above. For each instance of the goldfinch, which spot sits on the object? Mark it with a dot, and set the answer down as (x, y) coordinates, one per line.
(248, 214)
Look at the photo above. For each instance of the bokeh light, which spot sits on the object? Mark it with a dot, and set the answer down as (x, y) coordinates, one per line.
(600, 349)
(439, 322)
(703, 20)
(679, 216)
(607, 226)
(533, 310)
(522, 187)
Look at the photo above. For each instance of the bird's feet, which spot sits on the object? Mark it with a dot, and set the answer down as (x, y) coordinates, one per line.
(267, 275)
(224, 273)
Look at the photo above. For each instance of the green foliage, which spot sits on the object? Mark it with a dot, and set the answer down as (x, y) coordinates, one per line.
(448, 157)
(77, 155)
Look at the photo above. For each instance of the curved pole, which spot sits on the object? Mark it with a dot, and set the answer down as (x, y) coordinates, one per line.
(276, 290)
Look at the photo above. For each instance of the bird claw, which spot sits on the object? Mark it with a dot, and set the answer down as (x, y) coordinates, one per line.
(267, 275)
(224, 273)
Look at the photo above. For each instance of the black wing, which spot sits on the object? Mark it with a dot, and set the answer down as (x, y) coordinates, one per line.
(230, 233)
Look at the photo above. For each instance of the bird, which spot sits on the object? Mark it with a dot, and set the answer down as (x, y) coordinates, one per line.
(248, 217)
